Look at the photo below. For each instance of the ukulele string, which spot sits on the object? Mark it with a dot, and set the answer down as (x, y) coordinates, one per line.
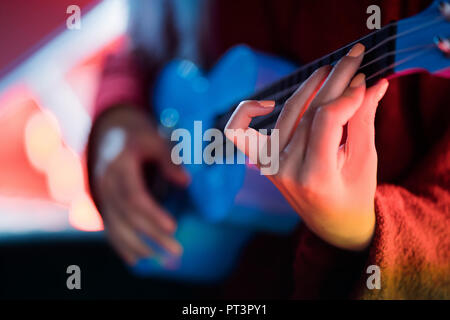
(406, 59)
(284, 94)
(393, 52)
(404, 33)
(387, 54)
(414, 48)
(385, 41)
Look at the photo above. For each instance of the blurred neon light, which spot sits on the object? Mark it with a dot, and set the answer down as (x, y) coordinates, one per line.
(83, 215)
(52, 146)
(42, 139)
(45, 70)
(65, 175)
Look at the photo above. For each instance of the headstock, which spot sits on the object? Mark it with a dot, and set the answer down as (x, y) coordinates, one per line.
(423, 41)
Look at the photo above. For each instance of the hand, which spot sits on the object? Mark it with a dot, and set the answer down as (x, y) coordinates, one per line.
(331, 186)
(128, 209)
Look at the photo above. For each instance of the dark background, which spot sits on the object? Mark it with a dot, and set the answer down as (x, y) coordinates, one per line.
(37, 270)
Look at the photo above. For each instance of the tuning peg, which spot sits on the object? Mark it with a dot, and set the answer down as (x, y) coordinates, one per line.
(443, 44)
(444, 8)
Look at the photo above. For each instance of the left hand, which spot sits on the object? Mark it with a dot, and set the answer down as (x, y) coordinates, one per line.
(331, 186)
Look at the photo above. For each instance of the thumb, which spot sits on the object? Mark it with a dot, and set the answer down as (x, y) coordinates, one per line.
(328, 123)
(237, 129)
(361, 130)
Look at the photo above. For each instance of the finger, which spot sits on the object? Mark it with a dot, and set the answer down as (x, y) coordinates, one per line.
(148, 227)
(296, 105)
(237, 129)
(361, 130)
(152, 147)
(119, 246)
(340, 77)
(172, 172)
(134, 192)
(145, 224)
(246, 111)
(327, 127)
(124, 239)
(334, 86)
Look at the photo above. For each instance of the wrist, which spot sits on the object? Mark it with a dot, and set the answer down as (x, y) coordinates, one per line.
(359, 233)
(344, 231)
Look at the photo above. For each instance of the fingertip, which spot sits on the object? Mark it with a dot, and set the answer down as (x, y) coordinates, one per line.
(358, 81)
(383, 85)
(170, 226)
(356, 50)
(247, 110)
(181, 177)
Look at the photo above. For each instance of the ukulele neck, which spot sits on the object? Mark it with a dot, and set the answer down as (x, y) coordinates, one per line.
(377, 63)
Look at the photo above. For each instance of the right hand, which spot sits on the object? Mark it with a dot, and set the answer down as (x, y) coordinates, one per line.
(127, 207)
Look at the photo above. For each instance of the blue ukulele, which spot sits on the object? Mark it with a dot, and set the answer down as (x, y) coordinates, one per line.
(225, 204)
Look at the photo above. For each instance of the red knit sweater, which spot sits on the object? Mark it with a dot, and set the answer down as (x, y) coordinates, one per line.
(412, 241)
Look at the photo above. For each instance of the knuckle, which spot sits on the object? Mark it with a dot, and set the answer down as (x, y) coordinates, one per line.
(134, 199)
(287, 168)
(139, 225)
(348, 98)
(244, 103)
(290, 101)
(284, 173)
(325, 114)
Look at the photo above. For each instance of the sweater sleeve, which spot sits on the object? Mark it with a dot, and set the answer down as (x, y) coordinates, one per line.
(122, 82)
(412, 240)
(411, 245)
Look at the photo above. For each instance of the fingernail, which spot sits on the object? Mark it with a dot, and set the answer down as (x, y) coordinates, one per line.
(358, 80)
(267, 103)
(384, 84)
(356, 50)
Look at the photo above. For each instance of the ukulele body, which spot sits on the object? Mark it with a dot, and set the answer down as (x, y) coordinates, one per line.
(224, 203)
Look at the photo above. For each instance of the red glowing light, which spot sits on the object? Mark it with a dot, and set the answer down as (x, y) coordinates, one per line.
(84, 216)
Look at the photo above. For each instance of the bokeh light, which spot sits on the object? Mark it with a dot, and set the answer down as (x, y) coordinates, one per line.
(42, 139)
(65, 175)
(83, 214)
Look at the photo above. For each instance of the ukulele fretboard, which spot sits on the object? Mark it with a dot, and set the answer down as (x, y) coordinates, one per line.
(377, 63)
